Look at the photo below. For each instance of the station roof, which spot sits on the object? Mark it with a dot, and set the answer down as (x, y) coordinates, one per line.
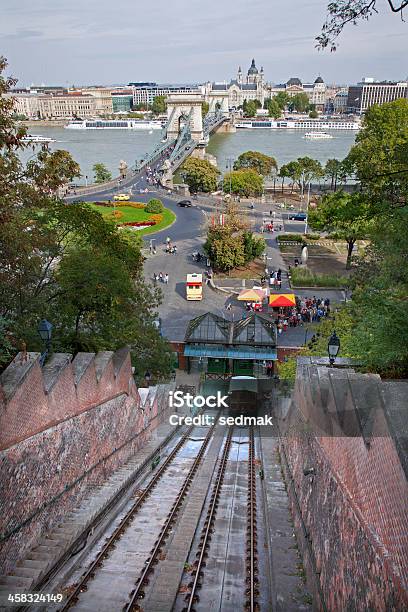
(255, 331)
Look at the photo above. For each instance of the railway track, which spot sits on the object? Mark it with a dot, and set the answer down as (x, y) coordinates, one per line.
(192, 597)
(126, 520)
(252, 581)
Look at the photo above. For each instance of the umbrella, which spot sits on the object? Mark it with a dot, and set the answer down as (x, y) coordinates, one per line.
(282, 299)
(251, 295)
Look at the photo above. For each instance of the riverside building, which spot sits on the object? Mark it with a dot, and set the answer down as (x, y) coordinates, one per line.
(369, 92)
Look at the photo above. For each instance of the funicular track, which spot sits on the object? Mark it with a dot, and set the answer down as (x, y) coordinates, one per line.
(126, 520)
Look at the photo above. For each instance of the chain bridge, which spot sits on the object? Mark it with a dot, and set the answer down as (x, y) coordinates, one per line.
(186, 130)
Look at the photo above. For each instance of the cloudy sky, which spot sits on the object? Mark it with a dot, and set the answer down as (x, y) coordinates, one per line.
(104, 41)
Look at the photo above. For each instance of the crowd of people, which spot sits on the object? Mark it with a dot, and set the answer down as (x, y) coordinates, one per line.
(162, 278)
(307, 310)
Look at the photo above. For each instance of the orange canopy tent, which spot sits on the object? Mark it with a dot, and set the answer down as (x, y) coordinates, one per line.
(282, 299)
(251, 295)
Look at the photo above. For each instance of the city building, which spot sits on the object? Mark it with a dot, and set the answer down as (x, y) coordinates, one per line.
(144, 93)
(68, 106)
(122, 101)
(369, 92)
(25, 104)
(250, 87)
(340, 101)
(316, 91)
(103, 99)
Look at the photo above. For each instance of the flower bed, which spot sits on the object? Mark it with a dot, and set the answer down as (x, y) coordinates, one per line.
(138, 223)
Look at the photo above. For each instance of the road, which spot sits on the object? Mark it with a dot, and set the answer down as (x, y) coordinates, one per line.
(188, 234)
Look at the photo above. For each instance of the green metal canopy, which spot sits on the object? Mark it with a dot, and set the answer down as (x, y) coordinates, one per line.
(230, 352)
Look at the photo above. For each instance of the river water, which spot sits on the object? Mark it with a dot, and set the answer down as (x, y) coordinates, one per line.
(110, 146)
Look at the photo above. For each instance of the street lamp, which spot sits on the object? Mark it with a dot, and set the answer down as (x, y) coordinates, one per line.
(333, 347)
(45, 330)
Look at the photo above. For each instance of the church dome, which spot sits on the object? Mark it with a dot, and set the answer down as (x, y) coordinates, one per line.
(319, 80)
(294, 81)
(253, 69)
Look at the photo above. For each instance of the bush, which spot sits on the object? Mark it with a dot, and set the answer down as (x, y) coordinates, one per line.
(131, 204)
(313, 236)
(302, 277)
(291, 238)
(154, 206)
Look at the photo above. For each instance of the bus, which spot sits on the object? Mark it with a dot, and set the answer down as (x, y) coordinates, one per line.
(194, 287)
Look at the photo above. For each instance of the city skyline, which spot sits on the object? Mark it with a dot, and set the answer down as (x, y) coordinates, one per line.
(97, 43)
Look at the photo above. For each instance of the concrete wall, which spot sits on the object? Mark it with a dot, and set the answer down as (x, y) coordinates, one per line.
(350, 516)
(64, 429)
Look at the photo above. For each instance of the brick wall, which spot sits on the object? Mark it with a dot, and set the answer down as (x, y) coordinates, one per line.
(45, 475)
(350, 515)
(35, 398)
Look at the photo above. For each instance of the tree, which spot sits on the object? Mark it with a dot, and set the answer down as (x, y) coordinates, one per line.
(249, 108)
(225, 250)
(243, 182)
(313, 114)
(309, 169)
(274, 109)
(159, 105)
(282, 98)
(344, 214)
(380, 156)
(332, 171)
(154, 206)
(299, 102)
(200, 175)
(342, 12)
(205, 107)
(261, 163)
(63, 261)
(293, 171)
(101, 173)
(253, 246)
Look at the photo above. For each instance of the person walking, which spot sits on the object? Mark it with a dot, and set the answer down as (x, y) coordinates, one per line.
(161, 277)
(166, 279)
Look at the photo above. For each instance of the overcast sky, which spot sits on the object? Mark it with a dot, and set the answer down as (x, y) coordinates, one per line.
(117, 41)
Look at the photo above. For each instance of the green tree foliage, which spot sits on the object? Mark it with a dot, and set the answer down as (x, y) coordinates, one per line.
(247, 183)
(205, 107)
(200, 175)
(274, 110)
(64, 262)
(332, 171)
(254, 160)
(343, 214)
(282, 98)
(299, 102)
(253, 246)
(342, 12)
(101, 173)
(159, 105)
(310, 169)
(232, 245)
(380, 160)
(154, 206)
(249, 108)
(313, 114)
(380, 155)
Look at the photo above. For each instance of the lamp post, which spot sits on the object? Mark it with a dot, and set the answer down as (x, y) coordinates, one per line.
(45, 330)
(229, 166)
(333, 348)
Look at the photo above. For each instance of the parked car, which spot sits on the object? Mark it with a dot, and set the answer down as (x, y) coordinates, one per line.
(184, 203)
(299, 216)
(121, 197)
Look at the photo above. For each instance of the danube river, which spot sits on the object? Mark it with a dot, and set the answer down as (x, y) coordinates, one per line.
(110, 146)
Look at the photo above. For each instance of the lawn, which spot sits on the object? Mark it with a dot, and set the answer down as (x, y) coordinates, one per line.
(130, 214)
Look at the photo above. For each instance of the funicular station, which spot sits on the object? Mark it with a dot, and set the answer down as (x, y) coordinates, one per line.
(237, 356)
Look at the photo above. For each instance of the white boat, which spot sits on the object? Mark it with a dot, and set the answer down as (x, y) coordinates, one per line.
(317, 135)
(115, 124)
(299, 124)
(37, 139)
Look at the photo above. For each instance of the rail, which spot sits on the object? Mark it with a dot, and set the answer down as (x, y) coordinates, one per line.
(110, 543)
(252, 581)
(139, 593)
(205, 538)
